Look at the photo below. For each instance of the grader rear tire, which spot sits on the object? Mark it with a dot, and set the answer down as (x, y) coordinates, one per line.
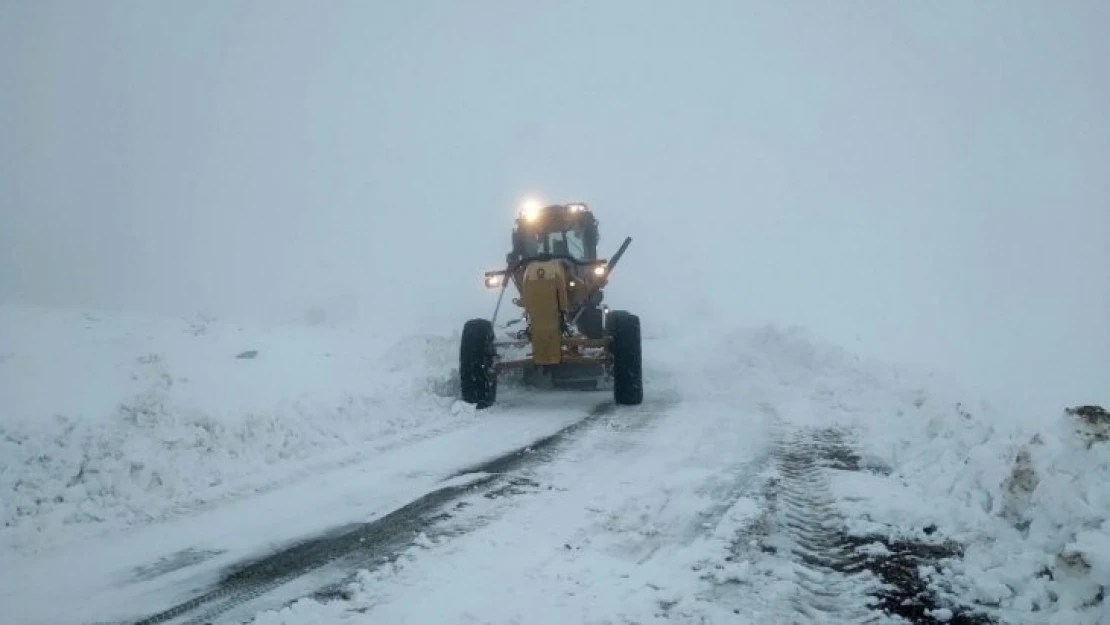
(477, 378)
(628, 384)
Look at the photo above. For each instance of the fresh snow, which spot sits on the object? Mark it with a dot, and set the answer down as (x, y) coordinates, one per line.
(112, 419)
(128, 439)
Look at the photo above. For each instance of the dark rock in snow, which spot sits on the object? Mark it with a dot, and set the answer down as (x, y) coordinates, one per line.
(1093, 415)
(247, 354)
(1095, 423)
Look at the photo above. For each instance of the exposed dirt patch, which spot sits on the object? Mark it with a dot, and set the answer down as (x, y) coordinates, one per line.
(1091, 414)
(1094, 423)
(898, 563)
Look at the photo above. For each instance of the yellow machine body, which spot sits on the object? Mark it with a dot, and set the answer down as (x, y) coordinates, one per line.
(545, 301)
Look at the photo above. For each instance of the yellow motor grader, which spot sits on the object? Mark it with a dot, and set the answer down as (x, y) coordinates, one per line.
(568, 339)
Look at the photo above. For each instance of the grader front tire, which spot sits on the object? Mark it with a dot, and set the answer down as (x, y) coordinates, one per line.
(477, 378)
(628, 384)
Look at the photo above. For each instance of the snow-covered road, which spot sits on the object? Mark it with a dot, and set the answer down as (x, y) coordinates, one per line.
(611, 529)
(142, 569)
(765, 479)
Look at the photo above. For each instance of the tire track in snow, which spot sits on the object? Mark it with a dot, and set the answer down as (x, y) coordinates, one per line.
(810, 529)
(255, 579)
(370, 543)
(789, 563)
(538, 450)
(796, 562)
(722, 490)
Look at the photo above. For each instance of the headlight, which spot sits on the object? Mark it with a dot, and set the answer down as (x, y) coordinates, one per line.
(576, 208)
(599, 270)
(494, 281)
(530, 209)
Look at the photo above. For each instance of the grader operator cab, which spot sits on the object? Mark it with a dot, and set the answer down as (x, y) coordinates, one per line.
(568, 338)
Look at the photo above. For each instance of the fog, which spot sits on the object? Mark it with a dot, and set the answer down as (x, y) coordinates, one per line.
(927, 182)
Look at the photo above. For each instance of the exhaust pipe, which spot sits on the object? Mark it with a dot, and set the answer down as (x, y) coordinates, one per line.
(616, 257)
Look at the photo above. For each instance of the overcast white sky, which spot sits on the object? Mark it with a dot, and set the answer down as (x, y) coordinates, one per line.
(925, 181)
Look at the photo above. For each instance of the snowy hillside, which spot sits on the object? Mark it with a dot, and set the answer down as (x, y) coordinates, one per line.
(162, 453)
(111, 419)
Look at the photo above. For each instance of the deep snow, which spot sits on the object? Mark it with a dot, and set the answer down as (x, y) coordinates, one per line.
(117, 426)
(113, 419)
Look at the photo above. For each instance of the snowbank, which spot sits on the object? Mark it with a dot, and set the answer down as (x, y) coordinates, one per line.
(1030, 502)
(1027, 497)
(110, 419)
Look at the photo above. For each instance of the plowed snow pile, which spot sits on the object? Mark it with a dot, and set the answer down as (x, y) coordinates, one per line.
(1028, 500)
(1026, 497)
(112, 419)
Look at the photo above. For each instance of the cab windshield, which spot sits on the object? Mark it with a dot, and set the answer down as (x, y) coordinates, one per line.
(569, 242)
